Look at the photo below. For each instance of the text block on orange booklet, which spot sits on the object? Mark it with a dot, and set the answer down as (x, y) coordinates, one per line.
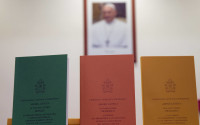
(107, 90)
(169, 90)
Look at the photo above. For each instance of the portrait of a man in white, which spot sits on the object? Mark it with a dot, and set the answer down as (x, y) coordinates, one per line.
(111, 34)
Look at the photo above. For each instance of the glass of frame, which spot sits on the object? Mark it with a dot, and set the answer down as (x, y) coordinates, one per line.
(109, 27)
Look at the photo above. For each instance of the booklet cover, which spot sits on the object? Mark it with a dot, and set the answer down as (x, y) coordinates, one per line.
(107, 90)
(40, 90)
(169, 91)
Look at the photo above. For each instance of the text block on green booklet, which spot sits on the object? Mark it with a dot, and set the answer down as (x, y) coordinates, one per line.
(40, 90)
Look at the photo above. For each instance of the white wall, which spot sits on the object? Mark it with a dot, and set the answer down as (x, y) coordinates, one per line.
(41, 27)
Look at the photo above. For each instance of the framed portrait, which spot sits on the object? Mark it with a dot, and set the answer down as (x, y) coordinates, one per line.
(109, 27)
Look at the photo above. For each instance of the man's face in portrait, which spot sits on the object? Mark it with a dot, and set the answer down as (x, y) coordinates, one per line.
(109, 13)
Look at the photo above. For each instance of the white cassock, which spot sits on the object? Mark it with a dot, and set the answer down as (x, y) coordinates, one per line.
(109, 34)
(109, 38)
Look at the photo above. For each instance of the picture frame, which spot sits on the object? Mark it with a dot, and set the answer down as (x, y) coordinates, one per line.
(109, 27)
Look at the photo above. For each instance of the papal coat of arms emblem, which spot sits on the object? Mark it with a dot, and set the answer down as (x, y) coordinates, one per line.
(40, 86)
(170, 86)
(107, 86)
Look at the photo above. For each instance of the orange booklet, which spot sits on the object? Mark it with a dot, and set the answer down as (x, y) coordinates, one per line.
(169, 91)
(107, 94)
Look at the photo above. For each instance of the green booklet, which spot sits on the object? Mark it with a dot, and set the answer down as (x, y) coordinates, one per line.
(40, 90)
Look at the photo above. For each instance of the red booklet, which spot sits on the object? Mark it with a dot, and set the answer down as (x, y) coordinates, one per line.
(107, 93)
